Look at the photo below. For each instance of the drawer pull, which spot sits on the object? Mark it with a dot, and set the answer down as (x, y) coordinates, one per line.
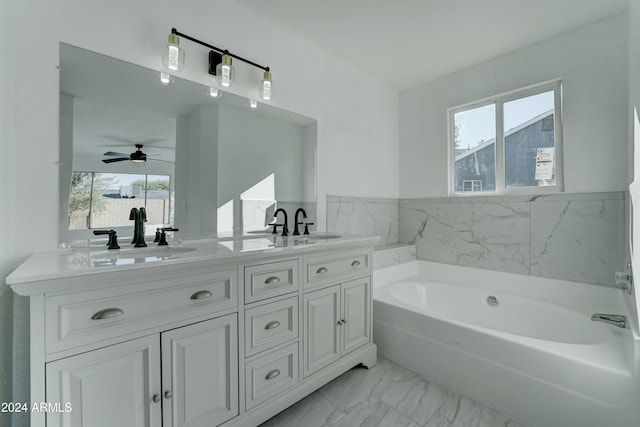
(272, 325)
(355, 263)
(322, 270)
(271, 375)
(201, 295)
(108, 313)
(271, 280)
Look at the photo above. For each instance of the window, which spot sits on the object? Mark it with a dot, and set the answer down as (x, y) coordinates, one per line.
(104, 200)
(509, 143)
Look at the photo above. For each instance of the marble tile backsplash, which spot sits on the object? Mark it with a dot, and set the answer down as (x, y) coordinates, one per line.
(576, 237)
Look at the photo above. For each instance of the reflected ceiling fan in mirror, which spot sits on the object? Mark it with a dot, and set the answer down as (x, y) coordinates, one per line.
(136, 157)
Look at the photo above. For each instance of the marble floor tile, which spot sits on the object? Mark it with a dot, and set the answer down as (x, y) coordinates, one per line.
(312, 411)
(387, 395)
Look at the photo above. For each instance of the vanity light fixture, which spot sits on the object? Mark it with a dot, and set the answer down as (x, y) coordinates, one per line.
(253, 103)
(173, 55)
(267, 86)
(220, 63)
(214, 92)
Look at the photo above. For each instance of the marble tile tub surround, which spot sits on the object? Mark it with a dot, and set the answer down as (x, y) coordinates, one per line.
(576, 237)
(364, 215)
(387, 395)
(571, 236)
(385, 256)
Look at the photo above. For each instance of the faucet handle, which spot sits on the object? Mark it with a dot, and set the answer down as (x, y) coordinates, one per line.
(275, 228)
(143, 214)
(306, 228)
(163, 235)
(113, 238)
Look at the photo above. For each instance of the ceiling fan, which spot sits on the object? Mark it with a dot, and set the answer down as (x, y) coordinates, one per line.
(136, 157)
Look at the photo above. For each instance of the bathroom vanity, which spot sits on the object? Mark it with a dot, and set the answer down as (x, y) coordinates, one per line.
(213, 333)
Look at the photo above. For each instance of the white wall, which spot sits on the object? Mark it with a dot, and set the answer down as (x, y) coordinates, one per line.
(357, 116)
(592, 64)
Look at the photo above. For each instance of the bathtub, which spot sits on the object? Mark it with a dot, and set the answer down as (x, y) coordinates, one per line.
(522, 345)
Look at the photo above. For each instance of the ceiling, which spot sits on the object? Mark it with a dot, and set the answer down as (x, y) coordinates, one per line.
(404, 43)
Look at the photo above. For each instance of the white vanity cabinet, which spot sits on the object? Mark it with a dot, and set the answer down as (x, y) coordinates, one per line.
(337, 317)
(133, 384)
(205, 340)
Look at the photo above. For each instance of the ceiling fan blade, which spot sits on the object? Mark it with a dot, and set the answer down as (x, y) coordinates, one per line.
(120, 159)
(113, 153)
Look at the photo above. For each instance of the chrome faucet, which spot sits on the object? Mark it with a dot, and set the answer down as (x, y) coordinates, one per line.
(613, 319)
(285, 226)
(139, 216)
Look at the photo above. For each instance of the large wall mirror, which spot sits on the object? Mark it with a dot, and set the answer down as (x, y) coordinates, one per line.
(214, 166)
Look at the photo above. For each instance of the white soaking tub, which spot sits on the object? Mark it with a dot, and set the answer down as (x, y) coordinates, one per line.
(522, 345)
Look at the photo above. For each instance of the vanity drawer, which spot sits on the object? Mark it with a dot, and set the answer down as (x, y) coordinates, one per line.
(271, 324)
(322, 269)
(271, 375)
(89, 317)
(270, 280)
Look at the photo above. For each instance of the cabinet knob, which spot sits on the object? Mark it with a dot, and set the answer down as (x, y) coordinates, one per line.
(271, 280)
(156, 398)
(322, 270)
(168, 394)
(355, 263)
(340, 322)
(201, 295)
(108, 313)
(272, 374)
(272, 325)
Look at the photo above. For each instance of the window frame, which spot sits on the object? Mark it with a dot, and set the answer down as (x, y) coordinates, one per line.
(499, 101)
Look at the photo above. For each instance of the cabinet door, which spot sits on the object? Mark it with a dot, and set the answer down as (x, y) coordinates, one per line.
(356, 314)
(200, 373)
(322, 338)
(112, 386)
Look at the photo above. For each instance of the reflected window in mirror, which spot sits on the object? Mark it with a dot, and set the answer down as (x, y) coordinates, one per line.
(104, 200)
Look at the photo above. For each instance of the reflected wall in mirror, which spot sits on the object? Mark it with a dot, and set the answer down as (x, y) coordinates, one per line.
(213, 166)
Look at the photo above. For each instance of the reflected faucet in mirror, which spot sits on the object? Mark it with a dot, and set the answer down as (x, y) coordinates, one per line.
(139, 216)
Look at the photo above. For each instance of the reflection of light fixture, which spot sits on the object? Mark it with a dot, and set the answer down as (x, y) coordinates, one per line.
(224, 71)
(166, 78)
(253, 103)
(267, 86)
(214, 92)
(138, 156)
(220, 63)
(173, 55)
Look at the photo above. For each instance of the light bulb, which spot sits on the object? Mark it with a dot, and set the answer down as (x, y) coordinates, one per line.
(253, 103)
(166, 78)
(224, 71)
(267, 86)
(214, 92)
(173, 55)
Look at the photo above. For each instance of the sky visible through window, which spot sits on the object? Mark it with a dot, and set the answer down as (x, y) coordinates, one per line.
(479, 124)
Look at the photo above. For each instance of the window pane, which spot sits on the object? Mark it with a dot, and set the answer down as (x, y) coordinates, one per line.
(114, 196)
(529, 141)
(80, 200)
(158, 200)
(475, 149)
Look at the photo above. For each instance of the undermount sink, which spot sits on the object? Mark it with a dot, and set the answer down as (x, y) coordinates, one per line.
(137, 255)
(321, 236)
(324, 236)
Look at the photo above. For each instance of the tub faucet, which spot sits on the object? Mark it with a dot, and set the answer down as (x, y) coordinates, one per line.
(613, 319)
(139, 216)
(285, 226)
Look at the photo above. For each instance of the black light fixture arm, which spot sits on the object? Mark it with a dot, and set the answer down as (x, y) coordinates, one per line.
(217, 49)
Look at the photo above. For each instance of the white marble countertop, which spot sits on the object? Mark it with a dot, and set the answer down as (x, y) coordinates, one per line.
(94, 260)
